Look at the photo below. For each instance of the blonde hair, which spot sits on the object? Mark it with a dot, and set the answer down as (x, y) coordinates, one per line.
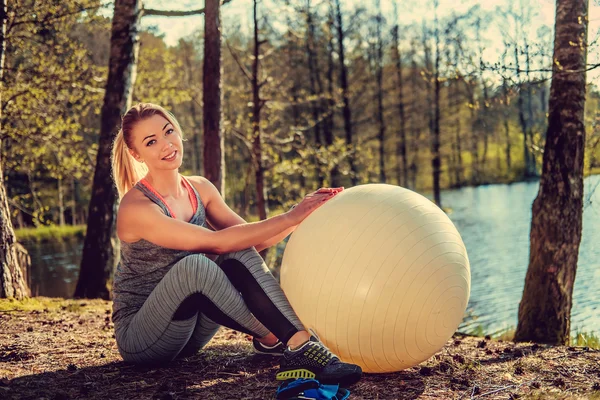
(126, 170)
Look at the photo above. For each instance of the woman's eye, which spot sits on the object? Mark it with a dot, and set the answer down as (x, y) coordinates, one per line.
(169, 131)
(150, 142)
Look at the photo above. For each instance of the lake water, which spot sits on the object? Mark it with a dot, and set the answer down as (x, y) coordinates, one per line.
(494, 222)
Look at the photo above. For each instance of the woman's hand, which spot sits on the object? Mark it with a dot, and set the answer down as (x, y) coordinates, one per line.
(311, 202)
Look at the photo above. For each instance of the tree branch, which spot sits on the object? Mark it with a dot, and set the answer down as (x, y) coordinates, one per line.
(176, 13)
(237, 61)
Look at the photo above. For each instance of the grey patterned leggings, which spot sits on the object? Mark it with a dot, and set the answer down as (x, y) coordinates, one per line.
(198, 295)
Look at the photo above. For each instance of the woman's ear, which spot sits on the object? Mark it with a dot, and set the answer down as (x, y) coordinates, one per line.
(135, 156)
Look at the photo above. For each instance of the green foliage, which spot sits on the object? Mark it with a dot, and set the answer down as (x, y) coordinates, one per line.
(57, 67)
(52, 92)
(50, 233)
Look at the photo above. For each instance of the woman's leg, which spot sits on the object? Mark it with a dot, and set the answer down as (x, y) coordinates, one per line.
(262, 294)
(169, 317)
(204, 330)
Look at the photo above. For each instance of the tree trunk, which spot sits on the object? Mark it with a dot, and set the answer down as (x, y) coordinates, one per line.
(257, 103)
(459, 160)
(315, 88)
(506, 115)
(436, 160)
(12, 282)
(334, 175)
(532, 166)
(61, 203)
(522, 121)
(197, 145)
(346, 112)
(214, 153)
(415, 127)
(379, 80)
(401, 163)
(545, 309)
(100, 248)
(74, 203)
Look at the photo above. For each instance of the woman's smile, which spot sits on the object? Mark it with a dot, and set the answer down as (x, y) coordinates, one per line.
(171, 156)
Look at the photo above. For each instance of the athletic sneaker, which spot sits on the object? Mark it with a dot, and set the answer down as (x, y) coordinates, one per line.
(313, 360)
(275, 350)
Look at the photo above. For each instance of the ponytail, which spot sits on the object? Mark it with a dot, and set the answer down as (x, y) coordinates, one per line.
(126, 170)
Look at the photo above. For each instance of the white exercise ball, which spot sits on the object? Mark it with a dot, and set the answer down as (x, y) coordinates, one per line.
(381, 274)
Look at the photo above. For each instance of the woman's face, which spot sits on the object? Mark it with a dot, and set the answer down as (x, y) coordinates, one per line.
(157, 143)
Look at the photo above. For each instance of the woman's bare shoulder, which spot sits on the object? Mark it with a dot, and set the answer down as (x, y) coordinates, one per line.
(133, 204)
(203, 186)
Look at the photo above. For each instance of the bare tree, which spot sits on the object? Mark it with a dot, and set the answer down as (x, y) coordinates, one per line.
(346, 111)
(436, 160)
(545, 309)
(377, 67)
(214, 152)
(401, 162)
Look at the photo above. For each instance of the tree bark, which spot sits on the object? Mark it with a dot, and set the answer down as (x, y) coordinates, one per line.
(12, 281)
(257, 104)
(334, 175)
(436, 160)
(401, 162)
(214, 154)
(100, 249)
(544, 311)
(315, 87)
(379, 79)
(346, 112)
(61, 202)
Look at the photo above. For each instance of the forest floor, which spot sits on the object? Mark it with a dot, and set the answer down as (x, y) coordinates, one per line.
(65, 349)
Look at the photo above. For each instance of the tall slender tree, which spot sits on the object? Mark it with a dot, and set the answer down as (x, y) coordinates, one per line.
(346, 111)
(378, 64)
(99, 248)
(401, 162)
(545, 309)
(214, 152)
(436, 159)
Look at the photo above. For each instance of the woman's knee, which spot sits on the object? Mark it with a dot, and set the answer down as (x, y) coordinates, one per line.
(194, 265)
(247, 257)
(198, 273)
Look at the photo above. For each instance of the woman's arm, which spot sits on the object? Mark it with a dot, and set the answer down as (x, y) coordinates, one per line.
(143, 220)
(275, 239)
(221, 216)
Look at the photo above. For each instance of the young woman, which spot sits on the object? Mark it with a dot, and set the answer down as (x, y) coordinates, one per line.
(169, 297)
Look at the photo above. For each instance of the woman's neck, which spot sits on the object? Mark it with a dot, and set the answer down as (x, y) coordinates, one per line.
(167, 183)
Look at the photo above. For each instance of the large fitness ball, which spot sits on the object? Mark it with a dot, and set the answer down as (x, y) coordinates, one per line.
(381, 274)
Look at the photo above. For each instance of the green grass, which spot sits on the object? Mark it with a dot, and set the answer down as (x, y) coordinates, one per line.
(49, 233)
(586, 339)
(580, 339)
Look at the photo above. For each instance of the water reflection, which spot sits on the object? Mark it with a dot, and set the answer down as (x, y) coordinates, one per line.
(494, 222)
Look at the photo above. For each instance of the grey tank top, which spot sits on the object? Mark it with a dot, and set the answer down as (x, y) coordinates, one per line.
(143, 264)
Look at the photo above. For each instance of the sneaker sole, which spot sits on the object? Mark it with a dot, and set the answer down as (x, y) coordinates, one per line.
(295, 374)
(344, 381)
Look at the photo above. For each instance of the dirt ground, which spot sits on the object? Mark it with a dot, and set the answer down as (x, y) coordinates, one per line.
(69, 352)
